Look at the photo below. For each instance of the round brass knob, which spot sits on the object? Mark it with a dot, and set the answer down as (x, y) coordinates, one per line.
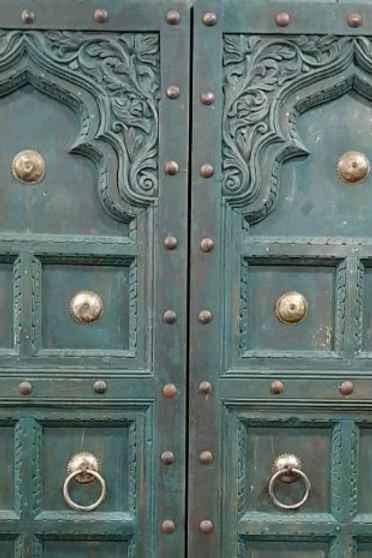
(28, 166)
(353, 167)
(291, 307)
(86, 307)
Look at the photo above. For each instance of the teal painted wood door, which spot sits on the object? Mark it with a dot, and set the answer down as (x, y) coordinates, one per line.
(281, 282)
(93, 243)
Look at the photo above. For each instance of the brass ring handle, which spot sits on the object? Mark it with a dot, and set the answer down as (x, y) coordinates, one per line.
(285, 471)
(83, 468)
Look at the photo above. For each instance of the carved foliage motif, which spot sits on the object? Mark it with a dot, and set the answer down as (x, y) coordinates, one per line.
(261, 74)
(121, 72)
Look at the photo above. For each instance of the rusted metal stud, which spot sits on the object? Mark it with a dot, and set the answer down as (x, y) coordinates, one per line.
(207, 98)
(206, 171)
(282, 19)
(205, 316)
(206, 245)
(277, 387)
(173, 17)
(170, 317)
(346, 388)
(206, 526)
(28, 16)
(25, 388)
(206, 457)
(167, 457)
(209, 19)
(100, 15)
(205, 388)
(168, 526)
(100, 386)
(354, 20)
(169, 391)
(173, 92)
(170, 242)
(171, 168)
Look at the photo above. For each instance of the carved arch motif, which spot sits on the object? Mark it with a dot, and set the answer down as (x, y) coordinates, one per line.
(112, 81)
(268, 82)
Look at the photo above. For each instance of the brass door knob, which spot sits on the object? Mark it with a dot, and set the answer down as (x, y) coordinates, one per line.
(84, 469)
(353, 167)
(291, 307)
(287, 468)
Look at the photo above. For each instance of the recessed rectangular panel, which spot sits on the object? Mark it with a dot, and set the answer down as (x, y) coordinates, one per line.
(364, 550)
(367, 309)
(284, 549)
(61, 328)
(7, 548)
(6, 305)
(7, 451)
(365, 470)
(260, 326)
(85, 549)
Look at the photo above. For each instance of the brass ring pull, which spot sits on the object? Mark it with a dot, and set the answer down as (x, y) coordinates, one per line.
(288, 469)
(83, 468)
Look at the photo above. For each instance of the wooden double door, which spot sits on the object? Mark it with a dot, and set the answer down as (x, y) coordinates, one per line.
(185, 279)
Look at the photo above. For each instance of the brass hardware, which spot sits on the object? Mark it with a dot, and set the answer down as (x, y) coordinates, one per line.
(206, 526)
(206, 245)
(100, 386)
(28, 166)
(291, 307)
(170, 242)
(167, 457)
(173, 17)
(169, 317)
(206, 171)
(282, 19)
(86, 307)
(28, 16)
(277, 387)
(169, 391)
(209, 19)
(287, 468)
(354, 20)
(100, 16)
(205, 316)
(206, 457)
(84, 469)
(353, 167)
(171, 168)
(346, 388)
(173, 92)
(25, 388)
(205, 388)
(168, 526)
(207, 98)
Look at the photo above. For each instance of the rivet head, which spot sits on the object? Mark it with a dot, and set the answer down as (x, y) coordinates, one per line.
(206, 457)
(205, 316)
(171, 168)
(173, 17)
(100, 386)
(167, 457)
(206, 171)
(170, 242)
(353, 167)
(207, 98)
(354, 20)
(173, 92)
(169, 391)
(205, 388)
(277, 387)
(28, 16)
(209, 19)
(168, 526)
(25, 388)
(346, 388)
(206, 245)
(291, 307)
(170, 317)
(282, 19)
(100, 15)
(206, 526)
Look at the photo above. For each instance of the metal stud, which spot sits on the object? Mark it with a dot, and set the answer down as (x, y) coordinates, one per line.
(205, 388)
(277, 387)
(206, 245)
(173, 17)
(170, 317)
(28, 16)
(354, 20)
(168, 526)
(170, 242)
(206, 457)
(169, 391)
(291, 307)
(167, 457)
(282, 19)
(171, 168)
(346, 388)
(86, 307)
(100, 386)
(209, 19)
(353, 167)
(206, 171)
(205, 316)
(100, 15)
(206, 526)
(207, 98)
(173, 92)
(25, 388)
(28, 166)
